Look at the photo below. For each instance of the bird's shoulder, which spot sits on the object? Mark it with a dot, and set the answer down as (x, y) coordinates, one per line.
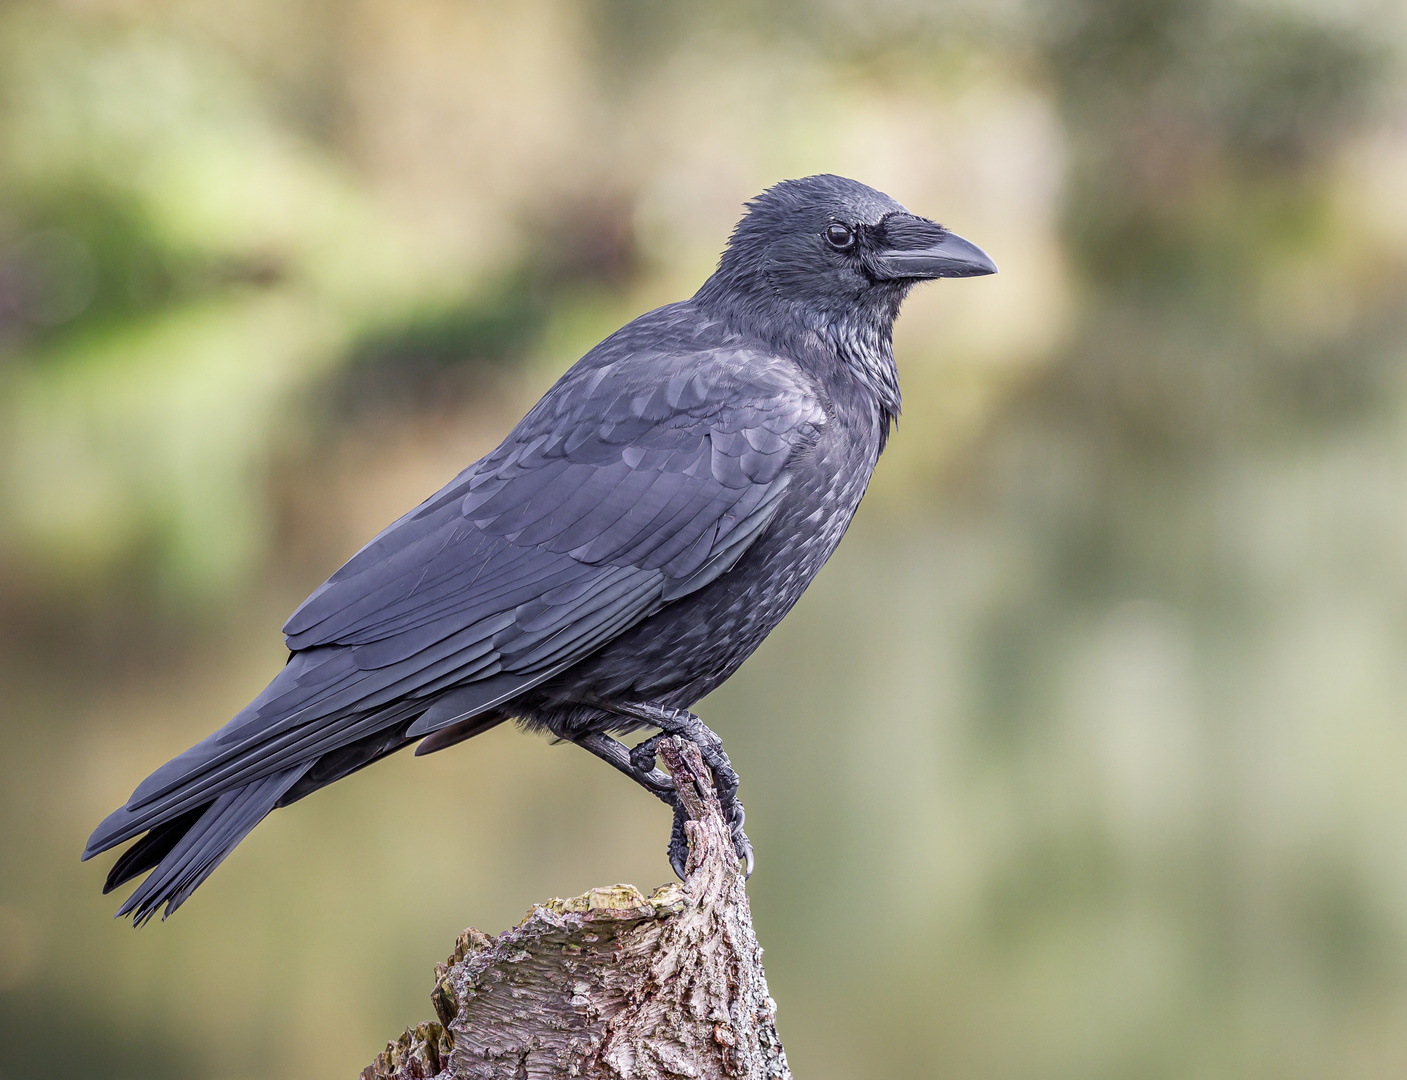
(675, 365)
(673, 405)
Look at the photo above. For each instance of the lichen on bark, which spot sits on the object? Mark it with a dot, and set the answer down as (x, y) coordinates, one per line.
(612, 984)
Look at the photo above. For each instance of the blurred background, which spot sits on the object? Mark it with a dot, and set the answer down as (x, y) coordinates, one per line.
(1086, 757)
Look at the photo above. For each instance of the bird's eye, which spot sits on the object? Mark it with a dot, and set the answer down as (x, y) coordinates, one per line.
(839, 236)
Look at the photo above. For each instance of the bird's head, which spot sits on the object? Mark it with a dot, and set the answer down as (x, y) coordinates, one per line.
(824, 247)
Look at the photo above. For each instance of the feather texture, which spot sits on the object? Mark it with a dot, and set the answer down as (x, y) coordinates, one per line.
(613, 497)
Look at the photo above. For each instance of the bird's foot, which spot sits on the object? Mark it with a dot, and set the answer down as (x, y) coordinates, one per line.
(678, 851)
(689, 726)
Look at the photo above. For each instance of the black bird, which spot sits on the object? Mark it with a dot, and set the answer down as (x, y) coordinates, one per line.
(623, 551)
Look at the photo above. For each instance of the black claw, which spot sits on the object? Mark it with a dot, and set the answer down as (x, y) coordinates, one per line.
(743, 846)
(735, 815)
(679, 843)
(642, 757)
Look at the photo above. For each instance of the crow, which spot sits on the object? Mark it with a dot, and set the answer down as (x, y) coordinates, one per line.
(617, 557)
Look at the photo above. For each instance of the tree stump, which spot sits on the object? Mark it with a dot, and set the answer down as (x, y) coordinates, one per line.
(611, 985)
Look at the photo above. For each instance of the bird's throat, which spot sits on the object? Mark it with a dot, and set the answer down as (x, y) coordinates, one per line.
(866, 347)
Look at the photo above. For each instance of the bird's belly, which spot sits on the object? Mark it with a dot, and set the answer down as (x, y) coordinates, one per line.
(688, 648)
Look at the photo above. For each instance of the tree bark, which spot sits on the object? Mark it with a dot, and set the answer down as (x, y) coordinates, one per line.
(612, 985)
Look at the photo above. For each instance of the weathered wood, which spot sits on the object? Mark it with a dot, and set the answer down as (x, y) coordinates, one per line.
(613, 984)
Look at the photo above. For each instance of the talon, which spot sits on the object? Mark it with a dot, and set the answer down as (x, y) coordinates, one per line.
(743, 846)
(642, 756)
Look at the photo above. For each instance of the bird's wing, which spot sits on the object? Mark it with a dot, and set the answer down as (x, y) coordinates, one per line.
(632, 483)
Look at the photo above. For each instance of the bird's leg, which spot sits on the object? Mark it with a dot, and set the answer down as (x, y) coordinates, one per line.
(614, 752)
(681, 722)
(643, 772)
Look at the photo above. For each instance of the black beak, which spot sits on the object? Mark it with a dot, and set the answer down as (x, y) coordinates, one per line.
(913, 247)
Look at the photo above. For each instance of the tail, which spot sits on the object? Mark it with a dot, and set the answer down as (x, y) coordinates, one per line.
(186, 849)
(320, 719)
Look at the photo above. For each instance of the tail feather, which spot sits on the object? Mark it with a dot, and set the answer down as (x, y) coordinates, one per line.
(151, 849)
(292, 749)
(197, 807)
(202, 846)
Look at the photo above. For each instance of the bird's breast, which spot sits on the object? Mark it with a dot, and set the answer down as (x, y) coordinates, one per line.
(690, 646)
